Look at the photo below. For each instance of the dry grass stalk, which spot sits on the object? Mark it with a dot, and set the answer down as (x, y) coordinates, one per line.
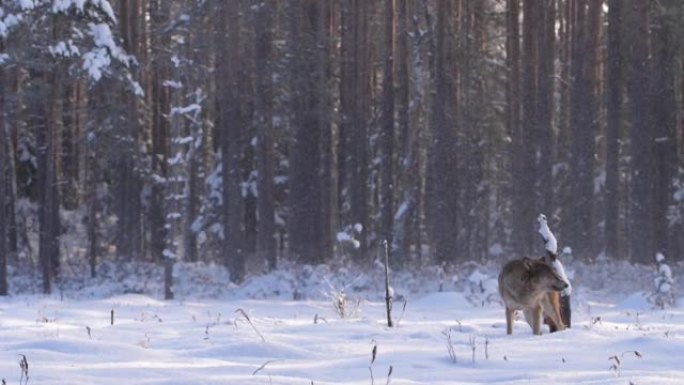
(450, 345)
(244, 314)
(471, 340)
(262, 367)
(23, 364)
(388, 296)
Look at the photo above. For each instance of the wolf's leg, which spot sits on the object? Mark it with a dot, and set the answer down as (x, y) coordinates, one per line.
(552, 313)
(537, 320)
(533, 316)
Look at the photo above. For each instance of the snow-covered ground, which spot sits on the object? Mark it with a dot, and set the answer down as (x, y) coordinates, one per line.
(616, 338)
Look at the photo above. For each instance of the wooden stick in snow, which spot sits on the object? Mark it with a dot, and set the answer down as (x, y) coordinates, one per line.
(388, 297)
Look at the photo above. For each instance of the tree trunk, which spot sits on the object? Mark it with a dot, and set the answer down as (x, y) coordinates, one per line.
(544, 114)
(526, 142)
(514, 123)
(192, 201)
(93, 209)
(562, 149)
(230, 131)
(387, 133)
(70, 146)
(664, 112)
(4, 143)
(584, 126)
(327, 55)
(613, 76)
(128, 207)
(442, 175)
(305, 199)
(160, 130)
(407, 157)
(354, 99)
(641, 221)
(266, 245)
(48, 180)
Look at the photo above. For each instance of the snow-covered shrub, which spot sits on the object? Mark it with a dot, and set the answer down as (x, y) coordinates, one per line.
(348, 240)
(663, 294)
(482, 288)
(338, 285)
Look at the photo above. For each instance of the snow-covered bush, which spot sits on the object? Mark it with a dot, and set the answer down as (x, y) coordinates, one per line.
(482, 288)
(348, 240)
(663, 294)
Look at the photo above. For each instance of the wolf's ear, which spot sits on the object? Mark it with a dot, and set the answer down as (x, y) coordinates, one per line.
(527, 263)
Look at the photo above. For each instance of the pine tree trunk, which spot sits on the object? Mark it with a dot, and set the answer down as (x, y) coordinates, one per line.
(387, 133)
(664, 112)
(327, 55)
(641, 221)
(128, 207)
(526, 145)
(614, 79)
(4, 143)
(266, 245)
(192, 197)
(354, 101)
(48, 180)
(514, 123)
(70, 144)
(544, 115)
(407, 158)
(305, 223)
(584, 126)
(230, 131)
(93, 209)
(442, 173)
(160, 131)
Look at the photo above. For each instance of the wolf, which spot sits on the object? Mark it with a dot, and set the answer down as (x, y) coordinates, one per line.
(524, 285)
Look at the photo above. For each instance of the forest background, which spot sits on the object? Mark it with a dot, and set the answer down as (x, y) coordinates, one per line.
(254, 133)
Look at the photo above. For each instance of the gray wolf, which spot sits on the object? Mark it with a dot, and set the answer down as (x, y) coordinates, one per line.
(524, 284)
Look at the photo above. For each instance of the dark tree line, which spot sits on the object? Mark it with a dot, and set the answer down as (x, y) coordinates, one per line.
(251, 132)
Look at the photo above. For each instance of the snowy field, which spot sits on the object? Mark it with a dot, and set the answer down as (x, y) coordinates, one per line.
(69, 339)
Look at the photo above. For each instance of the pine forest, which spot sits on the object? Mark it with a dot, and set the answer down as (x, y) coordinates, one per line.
(257, 134)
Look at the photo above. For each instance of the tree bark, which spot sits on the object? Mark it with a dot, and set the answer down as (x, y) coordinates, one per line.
(641, 220)
(160, 131)
(442, 175)
(387, 132)
(545, 106)
(405, 213)
(305, 223)
(614, 86)
(514, 125)
(128, 188)
(354, 101)
(266, 245)
(665, 48)
(4, 142)
(48, 175)
(584, 126)
(230, 131)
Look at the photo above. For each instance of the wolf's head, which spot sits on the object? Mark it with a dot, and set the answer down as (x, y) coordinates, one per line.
(541, 275)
